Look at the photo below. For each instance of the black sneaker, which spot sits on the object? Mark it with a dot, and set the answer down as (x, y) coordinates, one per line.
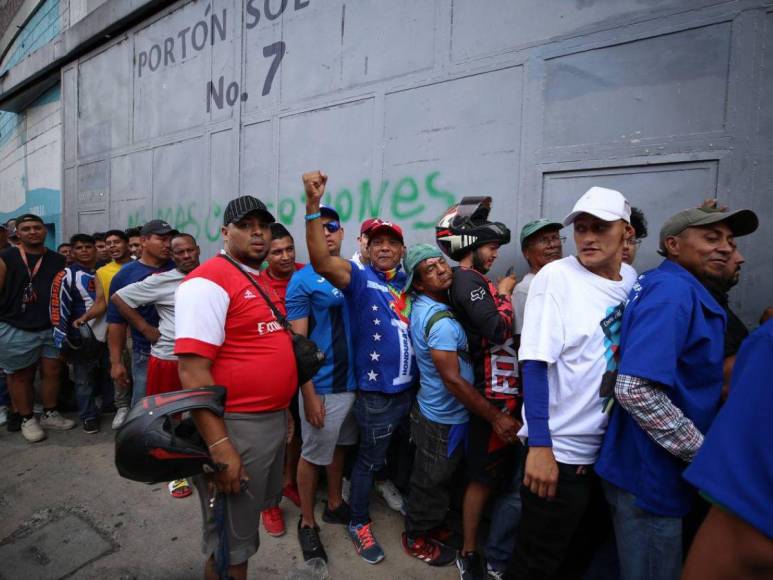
(91, 426)
(311, 545)
(470, 566)
(341, 515)
(14, 422)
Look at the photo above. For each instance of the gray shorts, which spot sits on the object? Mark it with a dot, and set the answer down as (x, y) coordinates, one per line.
(260, 440)
(340, 428)
(20, 349)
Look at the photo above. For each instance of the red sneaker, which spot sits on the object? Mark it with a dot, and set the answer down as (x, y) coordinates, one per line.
(291, 492)
(429, 551)
(274, 522)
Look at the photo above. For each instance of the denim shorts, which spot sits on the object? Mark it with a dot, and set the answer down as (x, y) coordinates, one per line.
(20, 349)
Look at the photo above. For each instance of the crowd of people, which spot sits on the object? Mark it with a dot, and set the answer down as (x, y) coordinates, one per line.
(604, 423)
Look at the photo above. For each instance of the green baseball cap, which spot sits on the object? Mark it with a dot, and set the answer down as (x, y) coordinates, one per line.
(534, 226)
(741, 222)
(415, 255)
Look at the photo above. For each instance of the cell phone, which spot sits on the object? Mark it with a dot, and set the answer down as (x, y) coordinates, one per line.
(510, 271)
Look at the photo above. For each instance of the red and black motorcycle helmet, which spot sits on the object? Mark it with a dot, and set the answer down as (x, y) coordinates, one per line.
(152, 446)
(465, 226)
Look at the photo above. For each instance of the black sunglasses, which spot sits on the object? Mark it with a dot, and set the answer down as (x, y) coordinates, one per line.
(332, 227)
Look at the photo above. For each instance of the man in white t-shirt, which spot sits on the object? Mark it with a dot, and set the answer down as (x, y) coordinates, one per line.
(541, 243)
(569, 342)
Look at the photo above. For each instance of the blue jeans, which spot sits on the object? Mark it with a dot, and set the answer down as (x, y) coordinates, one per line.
(506, 514)
(139, 376)
(84, 376)
(649, 546)
(5, 400)
(378, 416)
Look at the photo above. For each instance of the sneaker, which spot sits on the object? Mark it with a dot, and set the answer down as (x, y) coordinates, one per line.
(273, 521)
(290, 491)
(470, 566)
(179, 488)
(341, 515)
(447, 536)
(14, 422)
(53, 420)
(346, 489)
(429, 551)
(311, 545)
(494, 574)
(391, 495)
(365, 543)
(3, 415)
(120, 417)
(31, 430)
(91, 426)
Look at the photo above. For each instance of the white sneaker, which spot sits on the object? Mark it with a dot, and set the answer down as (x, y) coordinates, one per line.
(31, 430)
(391, 495)
(120, 417)
(346, 489)
(53, 420)
(3, 415)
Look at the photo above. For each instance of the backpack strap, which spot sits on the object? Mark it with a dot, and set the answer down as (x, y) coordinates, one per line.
(439, 315)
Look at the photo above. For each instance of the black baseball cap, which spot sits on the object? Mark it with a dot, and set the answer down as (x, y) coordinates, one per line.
(158, 227)
(28, 217)
(242, 206)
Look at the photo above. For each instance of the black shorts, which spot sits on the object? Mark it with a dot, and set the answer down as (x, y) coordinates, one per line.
(489, 460)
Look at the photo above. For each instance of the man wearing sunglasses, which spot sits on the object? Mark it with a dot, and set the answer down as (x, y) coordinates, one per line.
(317, 309)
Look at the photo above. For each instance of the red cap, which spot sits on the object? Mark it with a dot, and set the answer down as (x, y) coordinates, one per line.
(366, 225)
(378, 225)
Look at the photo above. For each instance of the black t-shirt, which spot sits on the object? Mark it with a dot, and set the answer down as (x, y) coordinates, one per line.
(36, 315)
(736, 330)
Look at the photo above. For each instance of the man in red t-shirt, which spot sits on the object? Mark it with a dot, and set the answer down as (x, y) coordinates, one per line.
(281, 260)
(226, 334)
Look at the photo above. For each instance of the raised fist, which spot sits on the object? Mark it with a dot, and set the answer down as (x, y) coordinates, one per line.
(314, 185)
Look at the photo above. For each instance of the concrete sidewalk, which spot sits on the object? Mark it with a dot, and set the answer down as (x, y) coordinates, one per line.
(66, 513)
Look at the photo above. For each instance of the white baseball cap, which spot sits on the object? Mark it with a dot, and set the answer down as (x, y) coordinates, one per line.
(606, 204)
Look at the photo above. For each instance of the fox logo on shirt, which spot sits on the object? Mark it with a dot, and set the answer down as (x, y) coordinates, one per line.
(268, 327)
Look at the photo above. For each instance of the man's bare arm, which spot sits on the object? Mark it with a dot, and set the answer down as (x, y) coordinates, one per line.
(135, 319)
(196, 371)
(447, 364)
(3, 270)
(337, 270)
(116, 343)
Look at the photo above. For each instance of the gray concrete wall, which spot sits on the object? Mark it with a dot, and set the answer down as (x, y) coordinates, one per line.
(410, 105)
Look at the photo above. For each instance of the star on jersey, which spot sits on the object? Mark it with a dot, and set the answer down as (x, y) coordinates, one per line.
(372, 375)
(374, 308)
(377, 337)
(377, 322)
(374, 356)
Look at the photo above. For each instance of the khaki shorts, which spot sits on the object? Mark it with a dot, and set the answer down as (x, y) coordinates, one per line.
(260, 440)
(340, 428)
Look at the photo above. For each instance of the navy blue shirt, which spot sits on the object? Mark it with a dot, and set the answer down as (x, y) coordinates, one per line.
(383, 354)
(672, 335)
(734, 466)
(310, 296)
(129, 274)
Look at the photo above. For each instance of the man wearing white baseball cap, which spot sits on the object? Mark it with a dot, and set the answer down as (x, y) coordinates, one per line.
(568, 349)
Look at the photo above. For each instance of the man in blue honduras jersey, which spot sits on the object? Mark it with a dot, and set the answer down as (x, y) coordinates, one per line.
(384, 364)
(317, 309)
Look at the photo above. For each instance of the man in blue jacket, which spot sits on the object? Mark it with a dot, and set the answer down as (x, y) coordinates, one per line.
(384, 363)
(668, 387)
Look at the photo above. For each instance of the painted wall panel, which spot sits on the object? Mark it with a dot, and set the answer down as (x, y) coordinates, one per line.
(502, 25)
(104, 100)
(346, 156)
(401, 43)
(430, 162)
(675, 84)
(258, 160)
